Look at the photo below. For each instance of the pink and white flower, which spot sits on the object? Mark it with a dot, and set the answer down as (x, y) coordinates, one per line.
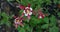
(18, 21)
(27, 10)
(41, 14)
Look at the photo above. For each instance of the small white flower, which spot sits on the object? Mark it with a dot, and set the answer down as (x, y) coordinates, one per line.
(27, 11)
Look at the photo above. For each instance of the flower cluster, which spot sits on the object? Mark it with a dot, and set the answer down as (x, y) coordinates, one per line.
(28, 11)
(18, 21)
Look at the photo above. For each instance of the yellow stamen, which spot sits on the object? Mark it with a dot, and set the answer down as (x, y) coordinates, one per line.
(17, 20)
(28, 11)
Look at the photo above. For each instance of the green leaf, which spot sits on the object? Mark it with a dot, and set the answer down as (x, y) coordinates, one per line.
(34, 21)
(1, 22)
(39, 31)
(38, 28)
(20, 12)
(27, 28)
(24, 2)
(53, 20)
(45, 26)
(8, 23)
(48, 2)
(46, 20)
(20, 29)
(5, 19)
(58, 2)
(10, 0)
(59, 14)
(18, 1)
(53, 29)
(55, 1)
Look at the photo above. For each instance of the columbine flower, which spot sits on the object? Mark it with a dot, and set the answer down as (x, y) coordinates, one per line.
(40, 14)
(27, 10)
(18, 21)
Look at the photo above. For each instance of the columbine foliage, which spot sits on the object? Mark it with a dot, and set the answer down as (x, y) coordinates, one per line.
(34, 24)
(5, 19)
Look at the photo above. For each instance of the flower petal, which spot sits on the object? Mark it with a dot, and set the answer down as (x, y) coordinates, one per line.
(30, 13)
(40, 16)
(14, 17)
(30, 8)
(22, 7)
(16, 26)
(24, 11)
(26, 14)
(29, 5)
(27, 8)
(43, 16)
